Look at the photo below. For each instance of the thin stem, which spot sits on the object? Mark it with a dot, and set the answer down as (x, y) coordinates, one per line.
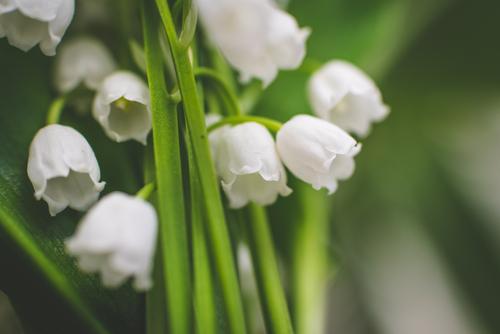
(230, 98)
(271, 292)
(310, 262)
(217, 228)
(56, 109)
(156, 322)
(173, 235)
(271, 124)
(204, 299)
(146, 191)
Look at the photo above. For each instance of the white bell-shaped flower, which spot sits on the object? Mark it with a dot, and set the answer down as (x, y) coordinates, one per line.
(82, 61)
(27, 23)
(316, 151)
(121, 106)
(63, 169)
(117, 238)
(248, 165)
(342, 94)
(255, 36)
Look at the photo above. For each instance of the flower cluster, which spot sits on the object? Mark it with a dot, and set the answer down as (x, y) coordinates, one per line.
(117, 236)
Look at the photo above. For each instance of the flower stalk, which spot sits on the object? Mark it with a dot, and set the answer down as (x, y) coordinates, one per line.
(217, 228)
(270, 124)
(170, 202)
(265, 264)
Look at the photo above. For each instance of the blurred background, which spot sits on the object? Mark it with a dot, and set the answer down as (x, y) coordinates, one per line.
(413, 243)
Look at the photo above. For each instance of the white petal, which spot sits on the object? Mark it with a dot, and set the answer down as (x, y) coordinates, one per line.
(121, 106)
(57, 27)
(247, 162)
(21, 31)
(42, 10)
(343, 94)
(82, 61)
(311, 148)
(117, 238)
(256, 37)
(26, 23)
(63, 169)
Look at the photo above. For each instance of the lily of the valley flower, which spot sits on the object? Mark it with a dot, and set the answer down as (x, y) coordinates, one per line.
(121, 106)
(27, 23)
(316, 151)
(255, 36)
(248, 164)
(84, 61)
(63, 169)
(341, 93)
(117, 238)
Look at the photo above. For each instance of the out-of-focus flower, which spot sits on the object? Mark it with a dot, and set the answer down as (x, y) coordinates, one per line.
(27, 23)
(63, 169)
(316, 151)
(117, 238)
(341, 93)
(248, 164)
(255, 36)
(121, 106)
(84, 61)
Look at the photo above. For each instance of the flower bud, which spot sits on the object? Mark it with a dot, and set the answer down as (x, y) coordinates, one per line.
(117, 238)
(84, 61)
(316, 151)
(248, 165)
(342, 94)
(26, 23)
(63, 169)
(256, 37)
(121, 106)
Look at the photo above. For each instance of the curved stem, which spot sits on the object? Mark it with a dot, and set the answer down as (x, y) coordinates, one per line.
(270, 124)
(217, 228)
(231, 99)
(55, 110)
(170, 199)
(146, 191)
(271, 292)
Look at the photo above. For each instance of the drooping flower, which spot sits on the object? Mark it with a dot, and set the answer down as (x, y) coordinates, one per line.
(63, 169)
(248, 165)
(342, 94)
(117, 238)
(316, 151)
(255, 36)
(121, 106)
(27, 23)
(84, 60)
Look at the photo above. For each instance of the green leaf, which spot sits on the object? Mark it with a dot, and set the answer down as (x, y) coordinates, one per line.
(44, 284)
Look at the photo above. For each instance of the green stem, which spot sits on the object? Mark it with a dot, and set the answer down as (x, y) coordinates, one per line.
(173, 236)
(146, 191)
(156, 322)
(310, 261)
(217, 228)
(204, 299)
(56, 109)
(271, 124)
(231, 100)
(271, 292)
